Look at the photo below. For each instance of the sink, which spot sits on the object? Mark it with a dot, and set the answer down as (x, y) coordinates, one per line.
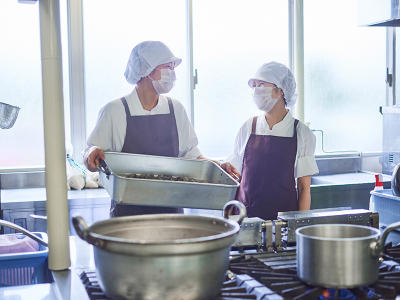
(315, 180)
(344, 190)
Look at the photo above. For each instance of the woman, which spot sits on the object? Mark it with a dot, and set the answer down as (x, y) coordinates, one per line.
(273, 149)
(145, 121)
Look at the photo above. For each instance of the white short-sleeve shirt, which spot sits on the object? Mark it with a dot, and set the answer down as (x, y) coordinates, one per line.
(110, 130)
(305, 163)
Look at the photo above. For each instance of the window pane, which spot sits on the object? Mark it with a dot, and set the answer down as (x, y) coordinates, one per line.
(21, 83)
(344, 76)
(110, 33)
(230, 43)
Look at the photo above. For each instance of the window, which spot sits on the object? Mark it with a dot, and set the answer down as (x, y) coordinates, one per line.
(344, 76)
(230, 42)
(21, 83)
(344, 67)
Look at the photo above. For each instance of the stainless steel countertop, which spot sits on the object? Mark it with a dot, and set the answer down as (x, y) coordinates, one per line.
(39, 194)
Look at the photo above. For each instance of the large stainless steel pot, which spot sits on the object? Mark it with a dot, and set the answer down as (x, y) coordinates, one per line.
(340, 256)
(163, 256)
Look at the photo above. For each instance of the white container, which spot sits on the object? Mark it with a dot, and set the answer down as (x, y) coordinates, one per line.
(387, 206)
(378, 187)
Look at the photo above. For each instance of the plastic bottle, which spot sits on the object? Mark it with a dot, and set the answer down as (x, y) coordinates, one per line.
(378, 186)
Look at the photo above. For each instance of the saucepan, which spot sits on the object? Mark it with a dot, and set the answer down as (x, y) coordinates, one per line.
(162, 256)
(340, 256)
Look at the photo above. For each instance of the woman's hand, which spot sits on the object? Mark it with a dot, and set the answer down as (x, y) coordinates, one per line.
(91, 158)
(231, 170)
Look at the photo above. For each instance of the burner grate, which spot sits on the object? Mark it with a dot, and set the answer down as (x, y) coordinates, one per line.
(273, 276)
(280, 276)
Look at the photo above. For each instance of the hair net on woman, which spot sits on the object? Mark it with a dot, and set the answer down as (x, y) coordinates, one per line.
(281, 76)
(145, 57)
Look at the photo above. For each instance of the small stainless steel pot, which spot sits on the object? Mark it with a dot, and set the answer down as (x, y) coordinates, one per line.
(340, 256)
(163, 256)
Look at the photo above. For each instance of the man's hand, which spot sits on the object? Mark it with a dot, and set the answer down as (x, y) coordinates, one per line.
(231, 170)
(91, 158)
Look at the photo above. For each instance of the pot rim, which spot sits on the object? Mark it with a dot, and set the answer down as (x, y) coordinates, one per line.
(161, 217)
(372, 236)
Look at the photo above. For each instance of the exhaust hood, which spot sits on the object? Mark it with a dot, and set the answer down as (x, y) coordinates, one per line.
(378, 13)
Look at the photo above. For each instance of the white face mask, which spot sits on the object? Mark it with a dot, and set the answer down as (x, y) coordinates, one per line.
(262, 97)
(166, 83)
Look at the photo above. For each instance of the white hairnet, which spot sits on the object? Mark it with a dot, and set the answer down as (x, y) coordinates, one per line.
(281, 76)
(145, 57)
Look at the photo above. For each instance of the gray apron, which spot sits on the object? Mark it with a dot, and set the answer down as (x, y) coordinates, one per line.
(150, 135)
(268, 185)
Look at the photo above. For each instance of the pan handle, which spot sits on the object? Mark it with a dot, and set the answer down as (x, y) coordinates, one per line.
(377, 247)
(103, 167)
(242, 210)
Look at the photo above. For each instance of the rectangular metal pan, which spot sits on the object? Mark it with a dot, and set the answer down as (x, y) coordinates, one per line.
(213, 195)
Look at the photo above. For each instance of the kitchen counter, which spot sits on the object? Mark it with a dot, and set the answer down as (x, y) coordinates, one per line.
(67, 284)
(39, 194)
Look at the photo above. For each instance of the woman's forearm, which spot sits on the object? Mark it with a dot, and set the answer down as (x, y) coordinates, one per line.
(303, 189)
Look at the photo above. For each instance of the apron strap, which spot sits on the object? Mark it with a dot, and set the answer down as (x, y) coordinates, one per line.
(171, 106)
(253, 126)
(295, 127)
(128, 113)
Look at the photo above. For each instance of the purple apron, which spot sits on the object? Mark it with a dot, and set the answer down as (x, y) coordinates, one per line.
(268, 185)
(150, 135)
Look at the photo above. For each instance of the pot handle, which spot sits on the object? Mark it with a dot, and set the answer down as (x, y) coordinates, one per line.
(81, 227)
(377, 247)
(242, 210)
(84, 233)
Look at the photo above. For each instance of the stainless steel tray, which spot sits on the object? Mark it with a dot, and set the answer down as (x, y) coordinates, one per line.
(213, 195)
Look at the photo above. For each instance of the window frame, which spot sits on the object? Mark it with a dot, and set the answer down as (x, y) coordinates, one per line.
(77, 73)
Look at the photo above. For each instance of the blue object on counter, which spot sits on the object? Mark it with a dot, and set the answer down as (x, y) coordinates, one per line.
(387, 206)
(25, 268)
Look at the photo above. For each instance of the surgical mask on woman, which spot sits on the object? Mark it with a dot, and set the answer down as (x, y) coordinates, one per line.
(262, 97)
(166, 83)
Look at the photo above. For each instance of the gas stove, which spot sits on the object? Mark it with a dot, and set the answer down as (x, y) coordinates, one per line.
(273, 276)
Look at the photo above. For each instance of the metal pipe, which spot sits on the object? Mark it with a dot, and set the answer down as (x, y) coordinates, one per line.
(299, 58)
(76, 78)
(53, 116)
(190, 38)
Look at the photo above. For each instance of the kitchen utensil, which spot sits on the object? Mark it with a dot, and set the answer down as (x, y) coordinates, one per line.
(162, 256)
(23, 230)
(8, 115)
(213, 195)
(396, 181)
(340, 256)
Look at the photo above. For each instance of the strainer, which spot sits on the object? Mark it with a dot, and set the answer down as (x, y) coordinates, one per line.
(8, 115)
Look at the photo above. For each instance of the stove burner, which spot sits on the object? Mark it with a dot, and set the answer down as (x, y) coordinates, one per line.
(273, 276)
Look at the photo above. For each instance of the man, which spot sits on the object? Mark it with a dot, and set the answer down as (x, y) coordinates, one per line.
(145, 121)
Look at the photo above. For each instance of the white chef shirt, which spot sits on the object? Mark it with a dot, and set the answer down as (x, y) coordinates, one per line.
(110, 130)
(305, 163)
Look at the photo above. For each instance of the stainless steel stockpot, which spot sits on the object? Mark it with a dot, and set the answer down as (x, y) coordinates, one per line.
(340, 256)
(163, 256)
